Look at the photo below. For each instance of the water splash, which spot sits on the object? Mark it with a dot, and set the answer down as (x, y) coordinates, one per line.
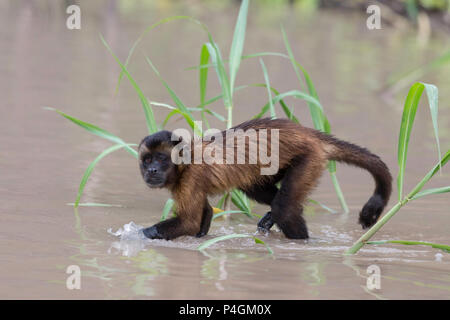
(129, 231)
(132, 240)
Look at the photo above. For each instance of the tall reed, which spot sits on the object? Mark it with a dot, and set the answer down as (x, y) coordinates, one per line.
(409, 112)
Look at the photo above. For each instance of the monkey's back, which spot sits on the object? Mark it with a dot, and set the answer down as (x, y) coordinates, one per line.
(294, 143)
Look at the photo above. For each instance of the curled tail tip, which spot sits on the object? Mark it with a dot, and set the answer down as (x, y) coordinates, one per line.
(371, 211)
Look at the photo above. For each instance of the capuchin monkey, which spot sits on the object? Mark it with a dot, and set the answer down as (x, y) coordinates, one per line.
(302, 157)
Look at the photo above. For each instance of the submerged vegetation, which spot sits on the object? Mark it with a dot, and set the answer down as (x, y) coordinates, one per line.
(226, 71)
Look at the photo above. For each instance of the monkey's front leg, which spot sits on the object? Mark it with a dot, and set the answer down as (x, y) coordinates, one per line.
(171, 229)
(167, 229)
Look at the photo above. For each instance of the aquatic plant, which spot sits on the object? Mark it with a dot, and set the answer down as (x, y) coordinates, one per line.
(409, 112)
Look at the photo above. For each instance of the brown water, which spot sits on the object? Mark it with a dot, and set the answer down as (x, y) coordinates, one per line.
(44, 156)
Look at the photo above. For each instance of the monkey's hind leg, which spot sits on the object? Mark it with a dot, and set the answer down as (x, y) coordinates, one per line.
(265, 223)
(287, 207)
(206, 220)
(263, 194)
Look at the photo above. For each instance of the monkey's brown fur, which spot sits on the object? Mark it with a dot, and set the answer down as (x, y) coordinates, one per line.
(303, 155)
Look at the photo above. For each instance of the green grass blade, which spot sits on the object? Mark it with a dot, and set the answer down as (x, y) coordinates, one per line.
(409, 113)
(264, 54)
(220, 204)
(237, 45)
(241, 201)
(210, 242)
(269, 93)
(283, 105)
(148, 29)
(94, 204)
(291, 56)
(286, 110)
(216, 57)
(210, 112)
(293, 93)
(91, 166)
(182, 109)
(319, 120)
(203, 80)
(148, 111)
(429, 175)
(337, 187)
(215, 114)
(430, 192)
(243, 57)
(209, 101)
(223, 79)
(188, 119)
(170, 115)
(160, 104)
(96, 130)
(203, 73)
(443, 247)
(167, 209)
(217, 215)
(180, 105)
(322, 205)
(432, 95)
(265, 108)
(259, 241)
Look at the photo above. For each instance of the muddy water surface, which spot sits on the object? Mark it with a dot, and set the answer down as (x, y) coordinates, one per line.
(44, 156)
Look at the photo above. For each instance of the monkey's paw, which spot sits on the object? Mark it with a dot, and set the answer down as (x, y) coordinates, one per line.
(200, 234)
(265, 223)
(152, 233)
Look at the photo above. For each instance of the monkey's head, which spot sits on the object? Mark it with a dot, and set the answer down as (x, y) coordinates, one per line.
(157, 168)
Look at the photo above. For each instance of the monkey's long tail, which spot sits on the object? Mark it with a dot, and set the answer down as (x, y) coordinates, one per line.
(352, 154)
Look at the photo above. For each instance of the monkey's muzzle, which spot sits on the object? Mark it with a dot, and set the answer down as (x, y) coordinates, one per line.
(154, 180)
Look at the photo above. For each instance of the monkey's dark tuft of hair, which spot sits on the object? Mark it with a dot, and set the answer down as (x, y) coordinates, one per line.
(371, 211)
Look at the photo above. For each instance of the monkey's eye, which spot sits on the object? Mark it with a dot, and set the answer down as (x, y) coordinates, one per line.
(147, 160)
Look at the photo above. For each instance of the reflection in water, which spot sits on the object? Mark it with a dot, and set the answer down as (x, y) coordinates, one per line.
(153, 264)
(214, 268)
(350, 262)
(149, 262)
(87, 259)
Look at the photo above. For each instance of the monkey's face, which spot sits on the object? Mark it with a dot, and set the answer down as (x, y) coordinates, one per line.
(157, 168)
